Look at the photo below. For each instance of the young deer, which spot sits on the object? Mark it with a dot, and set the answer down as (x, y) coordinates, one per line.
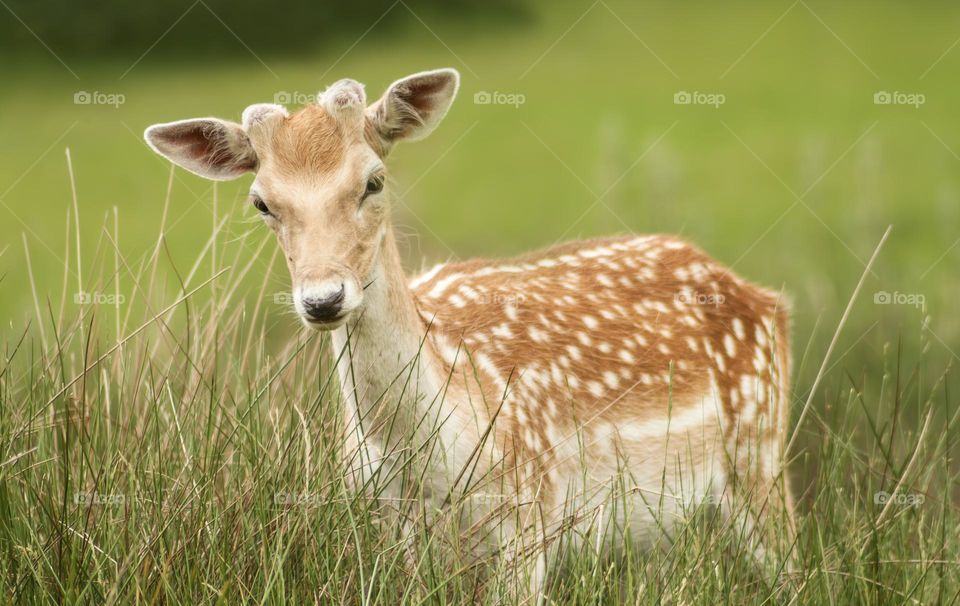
(614, 382)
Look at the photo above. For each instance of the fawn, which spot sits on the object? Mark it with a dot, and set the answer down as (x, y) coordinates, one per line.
(631, 370)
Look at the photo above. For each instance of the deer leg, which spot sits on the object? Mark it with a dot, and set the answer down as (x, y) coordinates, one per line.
(525, 558)
(759, 504)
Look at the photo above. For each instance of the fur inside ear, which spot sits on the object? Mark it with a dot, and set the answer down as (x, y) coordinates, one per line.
(413, 106)
(209, 147)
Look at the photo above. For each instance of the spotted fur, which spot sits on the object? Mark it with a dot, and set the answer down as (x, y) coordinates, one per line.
(608, 337)
(618, 380)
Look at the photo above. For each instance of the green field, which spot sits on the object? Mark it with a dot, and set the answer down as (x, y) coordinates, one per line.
(201, 419)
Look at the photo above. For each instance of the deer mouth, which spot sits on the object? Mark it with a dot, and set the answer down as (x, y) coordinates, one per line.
(325, 325)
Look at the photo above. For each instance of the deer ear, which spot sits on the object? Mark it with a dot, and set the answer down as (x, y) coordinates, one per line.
(413, 106)
(209, 147)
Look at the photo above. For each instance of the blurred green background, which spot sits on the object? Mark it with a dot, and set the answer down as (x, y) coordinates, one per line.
(792, 179)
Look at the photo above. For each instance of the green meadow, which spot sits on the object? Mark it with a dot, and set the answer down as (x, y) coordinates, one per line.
(157, 394)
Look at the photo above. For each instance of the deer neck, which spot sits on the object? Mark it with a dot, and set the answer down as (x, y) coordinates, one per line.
(383, 360)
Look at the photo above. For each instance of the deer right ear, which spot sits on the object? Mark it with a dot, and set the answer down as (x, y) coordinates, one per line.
(209, 147)
(413, 106)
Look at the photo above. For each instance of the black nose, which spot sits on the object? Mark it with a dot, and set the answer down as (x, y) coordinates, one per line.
(324, 309)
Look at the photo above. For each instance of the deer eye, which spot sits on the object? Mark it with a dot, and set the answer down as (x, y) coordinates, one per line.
(260, 205)
(374, 186)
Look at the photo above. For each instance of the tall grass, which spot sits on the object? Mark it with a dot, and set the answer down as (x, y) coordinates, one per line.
(157, 447)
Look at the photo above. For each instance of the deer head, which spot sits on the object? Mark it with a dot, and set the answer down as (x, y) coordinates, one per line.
(321, 183)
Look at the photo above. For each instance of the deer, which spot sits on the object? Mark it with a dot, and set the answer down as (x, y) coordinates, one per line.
(634, 369)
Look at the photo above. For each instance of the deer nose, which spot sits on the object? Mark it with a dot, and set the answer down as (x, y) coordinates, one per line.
(324, 309)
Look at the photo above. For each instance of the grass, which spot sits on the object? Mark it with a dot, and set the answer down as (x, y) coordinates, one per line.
(173, 438)
(161, 449)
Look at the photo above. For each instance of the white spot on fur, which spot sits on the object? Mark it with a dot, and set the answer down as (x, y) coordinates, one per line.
(611, 379)
(424, 278)
(729, 345)
(595, 388)
(738, 329)
(442, 285)
(760, 336)
(538, 335)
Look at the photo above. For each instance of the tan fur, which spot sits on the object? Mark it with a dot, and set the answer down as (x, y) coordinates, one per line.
(308, 141)
(615, 331)
(553, 378)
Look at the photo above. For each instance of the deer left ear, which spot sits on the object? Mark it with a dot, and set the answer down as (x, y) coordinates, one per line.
(209, 147)
(413, 106)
